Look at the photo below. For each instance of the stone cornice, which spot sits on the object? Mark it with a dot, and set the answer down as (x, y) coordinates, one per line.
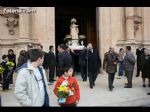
(20, 41)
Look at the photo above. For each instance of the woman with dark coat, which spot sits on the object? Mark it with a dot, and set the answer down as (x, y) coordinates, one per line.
(23, 57)
(12, 57)
(145, 67)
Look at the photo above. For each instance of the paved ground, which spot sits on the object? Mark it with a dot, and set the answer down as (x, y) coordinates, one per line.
(99, 95)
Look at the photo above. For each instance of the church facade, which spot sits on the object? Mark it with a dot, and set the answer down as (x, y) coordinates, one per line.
(114, 26)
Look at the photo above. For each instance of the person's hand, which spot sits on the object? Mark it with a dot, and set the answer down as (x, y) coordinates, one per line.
(72, 50)
(77, 102)
(115, 63)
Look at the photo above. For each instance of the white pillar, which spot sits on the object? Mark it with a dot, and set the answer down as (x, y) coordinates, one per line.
(130, 24)
(146, 25)
(44, 26)
(24, 25)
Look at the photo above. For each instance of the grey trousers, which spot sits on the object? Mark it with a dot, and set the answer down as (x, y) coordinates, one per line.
(111, 77)
(129, 75)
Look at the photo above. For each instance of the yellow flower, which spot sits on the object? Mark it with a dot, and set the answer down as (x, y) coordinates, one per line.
(63, 89)
(10, 63)
(1, 69)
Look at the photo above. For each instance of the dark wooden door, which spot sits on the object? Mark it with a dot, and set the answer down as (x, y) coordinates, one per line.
(86, 19)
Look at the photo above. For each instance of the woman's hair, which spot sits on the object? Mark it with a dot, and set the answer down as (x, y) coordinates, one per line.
(120, 49)
(10, 50)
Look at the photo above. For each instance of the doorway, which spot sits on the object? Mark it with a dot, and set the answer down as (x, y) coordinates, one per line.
(86, 19)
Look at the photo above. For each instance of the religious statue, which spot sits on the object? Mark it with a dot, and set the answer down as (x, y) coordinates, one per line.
(74, 31)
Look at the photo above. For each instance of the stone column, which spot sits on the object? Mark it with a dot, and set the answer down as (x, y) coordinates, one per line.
(23, 39)
(104, 29)
(24, 25)
(146, 24)
(44, 26)
(130, 37)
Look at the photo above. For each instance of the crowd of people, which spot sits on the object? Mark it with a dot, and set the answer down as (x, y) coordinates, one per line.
(36, 70)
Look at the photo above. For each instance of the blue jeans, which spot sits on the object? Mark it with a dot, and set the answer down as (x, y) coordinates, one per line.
(120, 73)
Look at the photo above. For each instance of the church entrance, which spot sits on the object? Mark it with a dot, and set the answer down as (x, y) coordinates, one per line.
(86, 19)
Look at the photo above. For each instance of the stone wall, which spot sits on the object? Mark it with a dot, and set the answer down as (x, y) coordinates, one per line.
(116, 27)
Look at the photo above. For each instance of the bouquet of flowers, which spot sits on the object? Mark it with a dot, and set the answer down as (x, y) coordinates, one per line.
(1, 69)
(63, 92)
(10, 65)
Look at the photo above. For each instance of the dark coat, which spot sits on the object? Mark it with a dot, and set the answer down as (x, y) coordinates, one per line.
(145, 64)
(64, 58)
(129, 61)
(4, 65)
(51, 59)
(23, 58)
(139, 53)
(94, 62)
(45, 66)
(12, 58)
(108, 62)
(82, 59)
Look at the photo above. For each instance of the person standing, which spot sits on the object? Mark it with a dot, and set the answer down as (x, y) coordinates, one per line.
(145, 67)
(22, 58)
(51, 63)
(83, 64)
(120, 61)
(12, 57)
(31, 87)
(64, 58)
(93, 65)
(129, 63)
(6, 73)
(139, 53)
(68, 80)
(110, 66)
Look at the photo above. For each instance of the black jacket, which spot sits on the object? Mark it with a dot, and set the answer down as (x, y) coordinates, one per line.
(139, 53)
(4, 65)
(51, 59)
(82, 59)
(94, 62)
(45, 66)
(64, 58)
(12, 58)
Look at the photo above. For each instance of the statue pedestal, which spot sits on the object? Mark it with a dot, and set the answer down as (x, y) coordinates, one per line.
(75, 45)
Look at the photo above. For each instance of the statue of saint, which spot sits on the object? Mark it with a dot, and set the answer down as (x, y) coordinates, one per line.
(74, 31)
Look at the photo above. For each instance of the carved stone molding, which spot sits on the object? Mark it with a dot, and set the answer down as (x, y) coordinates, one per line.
(11, 18)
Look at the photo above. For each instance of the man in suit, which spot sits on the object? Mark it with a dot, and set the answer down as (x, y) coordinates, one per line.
(64, 58)
(94, 64)
(129, 63)
(51, 63)
(83, 64)
(139, 53)
(110, 66)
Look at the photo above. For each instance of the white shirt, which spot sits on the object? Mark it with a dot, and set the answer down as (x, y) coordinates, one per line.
(40, 83)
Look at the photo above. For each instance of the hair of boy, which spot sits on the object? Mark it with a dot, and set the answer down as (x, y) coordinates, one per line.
(34, 54)
(66, 67)
(4, 57)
